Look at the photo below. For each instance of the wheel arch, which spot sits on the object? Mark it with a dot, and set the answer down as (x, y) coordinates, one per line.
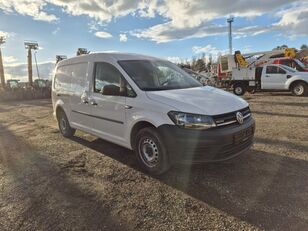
(137, 127)
(240, 82)
(59, 109)
(291, 84)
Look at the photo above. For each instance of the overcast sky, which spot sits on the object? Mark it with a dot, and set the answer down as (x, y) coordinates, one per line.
(174, 29)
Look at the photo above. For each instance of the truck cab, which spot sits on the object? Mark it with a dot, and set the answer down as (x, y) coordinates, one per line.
(270, 77)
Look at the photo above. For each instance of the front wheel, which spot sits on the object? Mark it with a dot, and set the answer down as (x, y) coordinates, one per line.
(64, 126)
(151, 152)
(239, 89)
(299, 89)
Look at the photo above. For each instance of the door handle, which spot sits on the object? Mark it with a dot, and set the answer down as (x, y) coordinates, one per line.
(92, 101)
(84, 100)
(267, 76)
(128, 107)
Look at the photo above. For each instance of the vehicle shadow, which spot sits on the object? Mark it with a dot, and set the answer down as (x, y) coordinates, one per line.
(263, 189)
(41, 196)
(299, 147)
(274, 93)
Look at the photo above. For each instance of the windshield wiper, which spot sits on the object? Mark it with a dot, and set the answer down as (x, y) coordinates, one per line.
(154, 89)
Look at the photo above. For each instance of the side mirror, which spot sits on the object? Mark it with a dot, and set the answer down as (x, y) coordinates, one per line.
(111, 90)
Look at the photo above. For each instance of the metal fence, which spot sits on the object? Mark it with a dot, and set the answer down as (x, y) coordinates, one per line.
(16, 94)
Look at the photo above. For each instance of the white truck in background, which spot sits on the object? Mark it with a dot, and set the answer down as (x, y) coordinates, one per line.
(274, 70)
(270, 77)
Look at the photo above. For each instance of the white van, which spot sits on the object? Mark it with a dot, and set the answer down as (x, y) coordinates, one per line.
(151, 106)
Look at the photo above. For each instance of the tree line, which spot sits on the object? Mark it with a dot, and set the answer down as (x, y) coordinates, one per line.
(203, 63)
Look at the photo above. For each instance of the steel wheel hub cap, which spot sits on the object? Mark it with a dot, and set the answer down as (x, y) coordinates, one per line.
(149, 152)
(299, 89)
(238, 90)
(63, 124)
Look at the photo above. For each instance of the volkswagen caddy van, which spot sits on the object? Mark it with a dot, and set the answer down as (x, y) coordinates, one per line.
(151, 106)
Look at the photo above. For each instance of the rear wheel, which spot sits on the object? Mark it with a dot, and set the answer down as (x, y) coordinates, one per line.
(299, 89)
(151, 152)
(239, 89)
(64, 126)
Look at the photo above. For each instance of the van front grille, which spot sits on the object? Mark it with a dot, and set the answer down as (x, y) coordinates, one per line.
(230, 118)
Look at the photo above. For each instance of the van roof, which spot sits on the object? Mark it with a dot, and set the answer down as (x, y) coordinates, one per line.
(124, 56)
(112, 55)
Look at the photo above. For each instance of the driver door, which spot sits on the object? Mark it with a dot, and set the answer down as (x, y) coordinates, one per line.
(275, 78)
(108, 105)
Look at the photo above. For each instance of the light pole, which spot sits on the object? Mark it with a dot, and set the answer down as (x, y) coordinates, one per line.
(230, 21)
(30, 45)
(37, 69)
(2, 41)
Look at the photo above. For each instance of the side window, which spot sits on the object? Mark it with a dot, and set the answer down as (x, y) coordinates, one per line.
(296, 66)
(281, 71)
(271, 70)
(108, 80)
(78, 74)
(224, 63)
(62, 79)
(71, 77)
(129, 91)
(56, 83)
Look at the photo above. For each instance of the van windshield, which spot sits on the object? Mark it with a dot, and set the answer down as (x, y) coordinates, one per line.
(155, 75)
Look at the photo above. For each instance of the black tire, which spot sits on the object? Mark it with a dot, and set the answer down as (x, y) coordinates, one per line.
(239, 89)
(299, 89)
(151, 152)
(64, 126)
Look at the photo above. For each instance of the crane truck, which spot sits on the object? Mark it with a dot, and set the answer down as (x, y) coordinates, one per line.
(269, 77)
(270, 71)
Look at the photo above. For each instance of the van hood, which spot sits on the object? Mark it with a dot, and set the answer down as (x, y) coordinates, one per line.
(201, 100)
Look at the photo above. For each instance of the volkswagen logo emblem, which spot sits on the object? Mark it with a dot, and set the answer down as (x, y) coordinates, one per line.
(239, 117)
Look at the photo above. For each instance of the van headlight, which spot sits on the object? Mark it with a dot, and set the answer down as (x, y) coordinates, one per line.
(193, 121)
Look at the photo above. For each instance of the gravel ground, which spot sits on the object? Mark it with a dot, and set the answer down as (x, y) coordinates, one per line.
(51, 183)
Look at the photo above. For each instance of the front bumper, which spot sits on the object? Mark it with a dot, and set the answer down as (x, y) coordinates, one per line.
(212, 145)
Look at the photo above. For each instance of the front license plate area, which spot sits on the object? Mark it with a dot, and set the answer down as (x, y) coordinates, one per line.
(242, 135)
